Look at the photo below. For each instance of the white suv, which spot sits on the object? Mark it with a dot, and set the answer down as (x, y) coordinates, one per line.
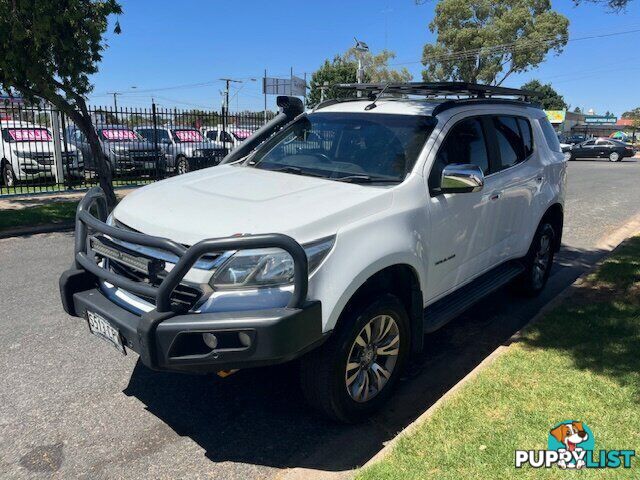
(339, 236)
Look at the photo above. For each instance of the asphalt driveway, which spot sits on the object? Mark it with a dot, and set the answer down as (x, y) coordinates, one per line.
(70, 406)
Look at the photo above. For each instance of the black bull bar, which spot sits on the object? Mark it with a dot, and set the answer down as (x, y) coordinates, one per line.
(187, 256)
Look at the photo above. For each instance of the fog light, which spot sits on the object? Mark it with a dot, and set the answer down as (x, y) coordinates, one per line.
(244, 338)
(210, 340)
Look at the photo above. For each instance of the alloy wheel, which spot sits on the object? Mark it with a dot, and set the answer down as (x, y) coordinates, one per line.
(541, 261)
(9, 178)
(614, 156)
(183, 166)
(372, 358)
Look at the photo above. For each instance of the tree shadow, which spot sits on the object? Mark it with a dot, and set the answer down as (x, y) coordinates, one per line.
(599, 326)
(259, 416)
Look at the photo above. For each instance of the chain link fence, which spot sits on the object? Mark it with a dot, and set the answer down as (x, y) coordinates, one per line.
(42, 151)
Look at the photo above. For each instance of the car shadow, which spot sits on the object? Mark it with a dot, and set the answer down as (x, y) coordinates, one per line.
(259, 416)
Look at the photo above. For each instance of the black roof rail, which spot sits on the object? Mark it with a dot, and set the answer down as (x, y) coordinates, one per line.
(448, 104)
(439, 89)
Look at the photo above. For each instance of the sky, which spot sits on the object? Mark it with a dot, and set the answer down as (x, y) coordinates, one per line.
(177, 52)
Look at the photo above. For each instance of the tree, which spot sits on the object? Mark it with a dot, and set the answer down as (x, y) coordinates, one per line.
(330, 73)
(613, 5)
(344, 68)
(577, 110)
(547, 96)
(48, 50)
(375, 67)
(635, 113)
(479, 39)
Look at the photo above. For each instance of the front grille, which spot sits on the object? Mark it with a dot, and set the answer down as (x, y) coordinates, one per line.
(184, 297)
(42, 158)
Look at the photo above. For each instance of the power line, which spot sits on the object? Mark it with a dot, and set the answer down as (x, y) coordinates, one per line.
(506, 47)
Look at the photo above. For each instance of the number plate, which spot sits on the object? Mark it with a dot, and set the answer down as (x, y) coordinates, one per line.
(101, 328)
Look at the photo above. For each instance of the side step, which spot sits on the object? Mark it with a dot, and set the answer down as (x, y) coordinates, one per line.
(454, 304)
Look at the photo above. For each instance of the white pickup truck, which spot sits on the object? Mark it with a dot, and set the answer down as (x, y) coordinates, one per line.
(338, 237)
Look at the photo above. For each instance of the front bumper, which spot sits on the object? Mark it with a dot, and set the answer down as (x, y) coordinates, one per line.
(168, 338)
(173, 342)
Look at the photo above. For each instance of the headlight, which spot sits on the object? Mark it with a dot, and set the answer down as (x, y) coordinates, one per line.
(267, 266)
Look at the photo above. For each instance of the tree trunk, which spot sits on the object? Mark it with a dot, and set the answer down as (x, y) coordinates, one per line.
(82, 119)
(103, 166)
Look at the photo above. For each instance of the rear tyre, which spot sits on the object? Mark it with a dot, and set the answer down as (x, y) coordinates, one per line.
(182, 166)
(8, 176)
(614, 157)
(538, 261)
(354, 372)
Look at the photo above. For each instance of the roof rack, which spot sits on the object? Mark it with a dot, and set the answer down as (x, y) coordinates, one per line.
(439, 90)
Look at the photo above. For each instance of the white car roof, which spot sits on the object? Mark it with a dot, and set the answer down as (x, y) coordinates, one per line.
(409, 106)
(385, 105)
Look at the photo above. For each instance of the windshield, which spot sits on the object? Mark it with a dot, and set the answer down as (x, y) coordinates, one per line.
(358, 147)
(26, 135)
(241, 134)
(118, 135)
(190, 135)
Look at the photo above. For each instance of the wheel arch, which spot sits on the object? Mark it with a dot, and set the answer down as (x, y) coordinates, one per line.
(401, 280)
(555, 216)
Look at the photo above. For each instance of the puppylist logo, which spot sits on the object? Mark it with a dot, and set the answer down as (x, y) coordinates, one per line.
(571, 445)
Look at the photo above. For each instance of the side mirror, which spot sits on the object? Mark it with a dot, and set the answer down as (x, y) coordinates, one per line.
(461, 178)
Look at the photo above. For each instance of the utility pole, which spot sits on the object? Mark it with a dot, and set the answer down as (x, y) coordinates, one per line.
(323, 89)
(264, 90)
(225, 108)
(115, 100)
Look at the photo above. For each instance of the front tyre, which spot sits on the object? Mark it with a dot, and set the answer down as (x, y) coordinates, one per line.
(354, 372)
(182, 166)
(538, 261)
(8, 177)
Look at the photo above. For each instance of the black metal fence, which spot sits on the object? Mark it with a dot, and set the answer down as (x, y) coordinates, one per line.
(42, 151)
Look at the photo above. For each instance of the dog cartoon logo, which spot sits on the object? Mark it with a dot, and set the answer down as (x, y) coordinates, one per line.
(571, 445)
(571, 437)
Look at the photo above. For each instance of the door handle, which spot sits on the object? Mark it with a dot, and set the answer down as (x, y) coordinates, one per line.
(539, 179)
(495, 196)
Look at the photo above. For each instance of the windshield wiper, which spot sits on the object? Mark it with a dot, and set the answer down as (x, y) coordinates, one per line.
(296, 171)
(365, 179)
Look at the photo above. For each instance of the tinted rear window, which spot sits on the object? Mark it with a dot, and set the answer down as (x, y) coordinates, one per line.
(550, 135)
(509, 141)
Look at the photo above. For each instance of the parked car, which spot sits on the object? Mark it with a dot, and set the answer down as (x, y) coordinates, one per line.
(340, 240)
(185, 148)
(572, 139)
(125, 150)
(614, 150)
(27, 153)
(230, 138)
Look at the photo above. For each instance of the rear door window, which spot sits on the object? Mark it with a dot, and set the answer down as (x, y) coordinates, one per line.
(510, 144)
(527, 137)
(549, 135)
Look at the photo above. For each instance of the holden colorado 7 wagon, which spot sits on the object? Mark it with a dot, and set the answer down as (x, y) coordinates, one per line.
(338, 237)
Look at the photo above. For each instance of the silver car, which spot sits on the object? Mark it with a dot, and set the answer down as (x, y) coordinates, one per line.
(185, 148)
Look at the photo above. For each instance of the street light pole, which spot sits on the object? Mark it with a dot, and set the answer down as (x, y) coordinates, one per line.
(360, 49)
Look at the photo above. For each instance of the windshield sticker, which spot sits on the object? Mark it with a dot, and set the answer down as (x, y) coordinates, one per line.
(119, 135)
(30, 134)
(242, 134)
(188, 135)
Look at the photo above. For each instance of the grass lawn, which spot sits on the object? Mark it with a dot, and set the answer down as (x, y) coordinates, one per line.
(580, 362)
(52, 212)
